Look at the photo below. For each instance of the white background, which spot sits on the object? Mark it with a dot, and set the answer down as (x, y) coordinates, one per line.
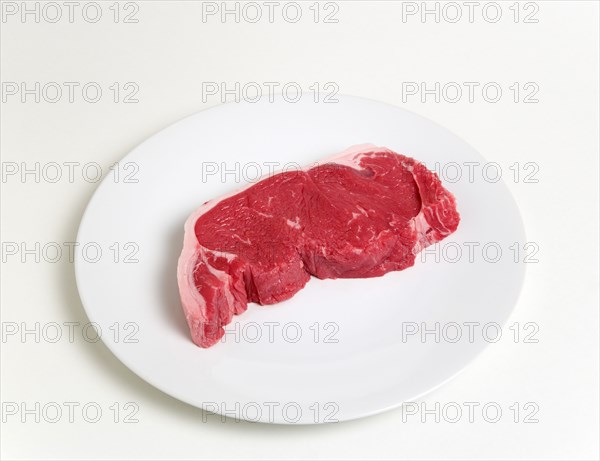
(369, 52)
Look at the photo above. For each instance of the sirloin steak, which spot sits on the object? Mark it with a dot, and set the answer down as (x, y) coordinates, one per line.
(362, 213)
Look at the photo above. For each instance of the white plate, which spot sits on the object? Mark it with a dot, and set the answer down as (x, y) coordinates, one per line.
(376, 364)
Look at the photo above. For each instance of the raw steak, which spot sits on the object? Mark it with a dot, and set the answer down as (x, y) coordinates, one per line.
(362, 213)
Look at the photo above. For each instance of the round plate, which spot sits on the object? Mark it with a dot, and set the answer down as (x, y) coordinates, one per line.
(339, 349)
